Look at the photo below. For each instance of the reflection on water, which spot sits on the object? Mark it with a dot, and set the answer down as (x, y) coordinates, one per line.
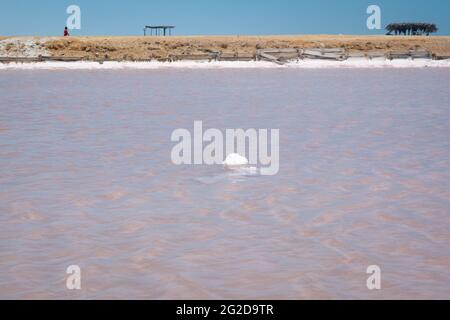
(86, 179)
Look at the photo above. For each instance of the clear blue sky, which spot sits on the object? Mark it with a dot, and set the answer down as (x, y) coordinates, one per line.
(220, 17)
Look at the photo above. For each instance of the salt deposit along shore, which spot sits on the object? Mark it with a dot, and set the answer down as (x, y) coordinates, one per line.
(361, 63)
(278, 49)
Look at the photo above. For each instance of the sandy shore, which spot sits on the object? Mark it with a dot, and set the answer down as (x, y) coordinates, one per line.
(161, 48)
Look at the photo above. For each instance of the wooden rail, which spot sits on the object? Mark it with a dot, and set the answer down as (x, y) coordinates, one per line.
(38, 59)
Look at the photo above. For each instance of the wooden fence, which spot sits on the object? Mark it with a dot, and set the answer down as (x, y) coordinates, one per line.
(278, 56)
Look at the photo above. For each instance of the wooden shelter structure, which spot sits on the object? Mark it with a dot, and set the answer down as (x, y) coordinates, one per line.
(159, 30)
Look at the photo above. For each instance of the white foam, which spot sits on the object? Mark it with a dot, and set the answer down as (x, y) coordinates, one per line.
(303, 64)
(235, 159)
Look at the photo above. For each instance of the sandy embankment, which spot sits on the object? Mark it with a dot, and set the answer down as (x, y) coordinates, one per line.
(161, 48)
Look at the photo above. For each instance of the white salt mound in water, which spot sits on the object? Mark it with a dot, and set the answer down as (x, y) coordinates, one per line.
(235, 159)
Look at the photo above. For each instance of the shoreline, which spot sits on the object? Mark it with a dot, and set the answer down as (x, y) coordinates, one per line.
(352, 63)
(278, 49)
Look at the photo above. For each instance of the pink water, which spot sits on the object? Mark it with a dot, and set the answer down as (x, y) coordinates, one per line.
(86, 179)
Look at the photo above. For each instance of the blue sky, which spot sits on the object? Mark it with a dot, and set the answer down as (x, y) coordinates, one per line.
(224, 17)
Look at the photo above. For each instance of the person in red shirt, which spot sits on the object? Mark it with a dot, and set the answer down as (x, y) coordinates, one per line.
(66, 32)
